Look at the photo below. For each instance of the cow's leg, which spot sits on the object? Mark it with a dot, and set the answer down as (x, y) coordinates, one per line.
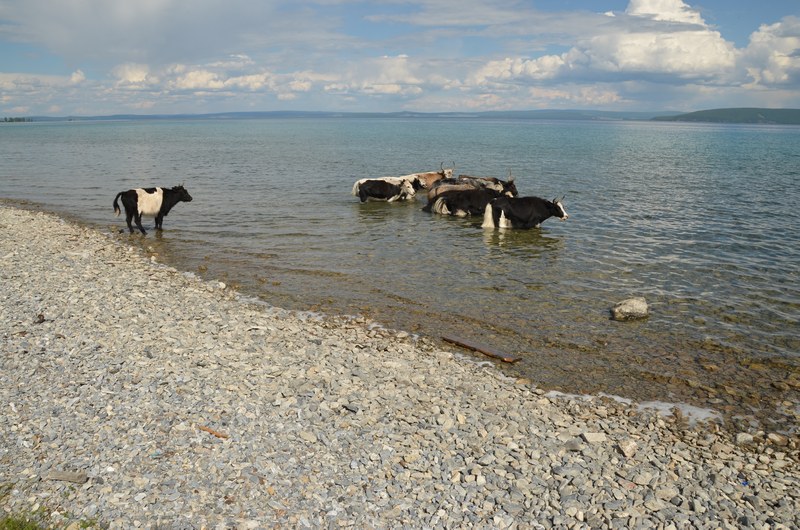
(138, 218)
(159, 221)
(362, 195)
(128, 219)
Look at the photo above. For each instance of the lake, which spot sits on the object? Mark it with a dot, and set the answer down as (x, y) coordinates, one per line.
(700, 219)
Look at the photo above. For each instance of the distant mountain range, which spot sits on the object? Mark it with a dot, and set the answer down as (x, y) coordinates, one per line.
(520, 115)
(739, 115)
(735, 115)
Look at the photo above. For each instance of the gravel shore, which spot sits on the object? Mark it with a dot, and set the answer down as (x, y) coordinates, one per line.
(138, 396)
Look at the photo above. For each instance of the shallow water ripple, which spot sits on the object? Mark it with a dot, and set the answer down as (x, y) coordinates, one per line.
(699, 219)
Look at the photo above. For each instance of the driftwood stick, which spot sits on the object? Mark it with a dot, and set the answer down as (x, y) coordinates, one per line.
(68, 476)
(486, 350)
(218, 434)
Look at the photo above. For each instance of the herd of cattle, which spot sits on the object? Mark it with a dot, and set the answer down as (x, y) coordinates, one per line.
(496, 200)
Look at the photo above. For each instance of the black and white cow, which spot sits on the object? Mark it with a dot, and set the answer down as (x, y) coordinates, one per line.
(522, 212)
(383, 190)
(462, 203)
(153, 202)
(418, 180)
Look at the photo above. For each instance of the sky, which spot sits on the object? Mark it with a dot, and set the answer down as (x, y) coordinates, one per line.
(103, 57)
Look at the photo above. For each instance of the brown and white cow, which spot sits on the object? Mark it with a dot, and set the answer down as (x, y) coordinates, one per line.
(418, 180)
(467, 182)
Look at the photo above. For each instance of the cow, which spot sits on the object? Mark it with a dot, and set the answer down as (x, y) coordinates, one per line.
(522, 212)
(418, 180)
(462, 203)
(153, 202)
(466, 182)
(427, 180)
(382, 190)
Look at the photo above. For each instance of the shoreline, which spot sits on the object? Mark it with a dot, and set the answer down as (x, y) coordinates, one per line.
(178, 402)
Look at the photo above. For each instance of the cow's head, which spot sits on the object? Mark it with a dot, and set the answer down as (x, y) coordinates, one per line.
(447, 173)
(408, 187)
(562, 213)
(183, 195)
(509, 188)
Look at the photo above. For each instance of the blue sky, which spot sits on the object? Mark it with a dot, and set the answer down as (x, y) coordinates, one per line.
(98, 57)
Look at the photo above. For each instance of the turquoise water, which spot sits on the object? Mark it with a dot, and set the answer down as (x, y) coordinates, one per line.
(701, 220)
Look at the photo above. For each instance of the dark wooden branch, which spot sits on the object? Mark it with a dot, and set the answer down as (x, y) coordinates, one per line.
(486, 350)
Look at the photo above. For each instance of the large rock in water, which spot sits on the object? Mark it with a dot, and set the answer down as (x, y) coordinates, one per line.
(631, 309)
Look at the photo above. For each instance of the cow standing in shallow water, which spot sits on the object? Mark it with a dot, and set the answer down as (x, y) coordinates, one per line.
(417, 180)
(522, 212)
(466, 182)
(381, 190)
(153, 202)
(462, 203)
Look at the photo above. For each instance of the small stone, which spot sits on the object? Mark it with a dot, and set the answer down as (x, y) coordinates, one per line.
(308, 436)
(744, 438)
(631, 309)
(778, 439)
(627, 447)
(594, 437)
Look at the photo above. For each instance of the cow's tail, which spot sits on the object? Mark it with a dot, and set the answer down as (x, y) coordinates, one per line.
(116, 206)
(488, 217)
(356, 187)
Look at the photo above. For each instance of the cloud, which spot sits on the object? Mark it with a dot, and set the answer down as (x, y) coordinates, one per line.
(772, 59)
(77, 77)
(662, 39)
(132, 74)
(664, 10)
(192, 55)
(197, 80)
(379, 77)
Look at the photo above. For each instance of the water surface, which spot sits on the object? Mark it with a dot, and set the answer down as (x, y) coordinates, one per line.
(701, 220)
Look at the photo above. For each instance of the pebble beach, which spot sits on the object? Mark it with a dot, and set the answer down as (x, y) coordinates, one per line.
(135, 395)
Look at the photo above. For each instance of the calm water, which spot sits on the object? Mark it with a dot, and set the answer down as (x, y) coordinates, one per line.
(702, 220)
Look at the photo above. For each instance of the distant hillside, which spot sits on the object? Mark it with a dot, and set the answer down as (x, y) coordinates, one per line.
(739, 115)
(504, 115)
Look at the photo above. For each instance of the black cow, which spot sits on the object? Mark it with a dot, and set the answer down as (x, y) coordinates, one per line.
(381, 190)
(522, 212)
(462, 203)
(153, 202)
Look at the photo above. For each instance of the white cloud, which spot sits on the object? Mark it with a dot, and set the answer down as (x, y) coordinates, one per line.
(77, 77)
(248, 82)
(773, 55)
(197, 80)
(664, 10)
(386, 75)
(190, 55)
(687, 53)
(629, 49)
(132, 74)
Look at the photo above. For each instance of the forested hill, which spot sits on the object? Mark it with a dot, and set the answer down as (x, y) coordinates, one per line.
(740, 115)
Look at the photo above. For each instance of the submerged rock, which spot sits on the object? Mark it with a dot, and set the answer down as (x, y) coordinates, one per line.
(631, 309)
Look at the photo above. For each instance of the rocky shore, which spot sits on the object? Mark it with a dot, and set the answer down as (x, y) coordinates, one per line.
(138, 396)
